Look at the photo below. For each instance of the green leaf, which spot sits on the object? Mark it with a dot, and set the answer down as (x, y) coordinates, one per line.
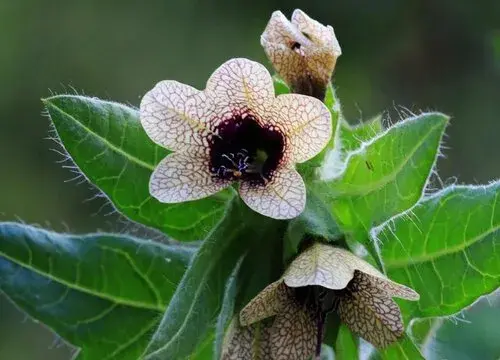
(346, 346)
(474, 335)
(227, 310)
(423, 331)
(108, 144)
(404, 349)
(194, 308)
(315, 220)
(103, 293)
(446, 248)
(386, 175)
(353, 136)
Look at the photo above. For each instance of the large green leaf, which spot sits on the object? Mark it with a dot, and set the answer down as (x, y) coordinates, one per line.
(386, 175)
(108, 144)
(194, 308)
(352, 137)
(103, 293)
(446, 248)
(227, 309)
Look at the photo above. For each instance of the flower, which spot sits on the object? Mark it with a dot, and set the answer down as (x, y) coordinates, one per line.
(247, 342)
(235, 130)
(322, 279)
(303, 52)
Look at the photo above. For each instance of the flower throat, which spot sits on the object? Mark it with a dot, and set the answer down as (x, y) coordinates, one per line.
(244, 150)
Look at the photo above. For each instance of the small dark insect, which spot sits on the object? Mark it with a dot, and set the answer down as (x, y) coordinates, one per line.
(306, 35)
(369, 165)
(295, 45)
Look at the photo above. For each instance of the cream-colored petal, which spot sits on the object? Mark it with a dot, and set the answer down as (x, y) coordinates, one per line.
(238, 342)
(172, 115)
(279, 30)
(240, 86)
(180, 177)
(306, 122)
(303, 52)
(370, 313)
(316, 31)
(284, 197)
(267, 303)
(247, 342)
(294, 333)
(393, 289)
(333, 268)
(279, 40)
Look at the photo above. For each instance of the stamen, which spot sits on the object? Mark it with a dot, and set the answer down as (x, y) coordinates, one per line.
(246, 151)
(230, 159)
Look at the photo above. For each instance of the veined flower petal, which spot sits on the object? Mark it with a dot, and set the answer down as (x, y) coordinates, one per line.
(180, 177)
(247, 342)
(306, 122)
(172, 116)
(284, 197)
(334, 268)
(370, 313)
(316, 31)
(393, 289)
(240, 86)
(294, 334)
(267, 303)
(303, 52)
(280, 31)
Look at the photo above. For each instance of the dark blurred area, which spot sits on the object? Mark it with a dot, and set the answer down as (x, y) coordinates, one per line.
(398, 56)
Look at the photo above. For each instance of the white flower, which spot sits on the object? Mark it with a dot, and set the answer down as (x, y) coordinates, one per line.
(234, 130)
(322, 279)
(303, 52)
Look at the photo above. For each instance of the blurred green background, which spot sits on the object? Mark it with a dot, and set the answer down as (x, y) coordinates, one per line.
(416, 54)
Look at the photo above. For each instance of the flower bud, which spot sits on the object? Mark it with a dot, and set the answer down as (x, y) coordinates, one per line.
(303, 52)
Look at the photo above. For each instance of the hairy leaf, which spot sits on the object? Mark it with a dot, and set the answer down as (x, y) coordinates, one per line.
(387, 175)
(446, 248)
(353, 136)
(108, 144)
(103, 293)
(194, 308)
(404, 349)
(227, 309)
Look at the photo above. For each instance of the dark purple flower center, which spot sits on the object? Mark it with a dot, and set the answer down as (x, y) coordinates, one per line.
(245, 150)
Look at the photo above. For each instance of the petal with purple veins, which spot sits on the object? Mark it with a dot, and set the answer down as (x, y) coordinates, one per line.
(180, 177)
(283, 197)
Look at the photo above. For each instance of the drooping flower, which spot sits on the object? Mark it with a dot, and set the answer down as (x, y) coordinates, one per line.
(236, 130)
(303, 52)
(247, 342)
(322, 279)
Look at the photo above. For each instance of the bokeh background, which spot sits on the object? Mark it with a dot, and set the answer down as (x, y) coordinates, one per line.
(398, 56)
